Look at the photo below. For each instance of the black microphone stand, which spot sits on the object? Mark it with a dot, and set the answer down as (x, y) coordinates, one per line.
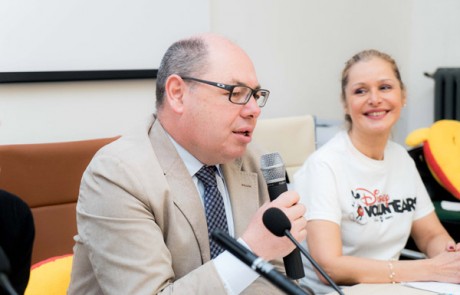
(304, 252)
(4, 269)
(6, 284)
(259, 265)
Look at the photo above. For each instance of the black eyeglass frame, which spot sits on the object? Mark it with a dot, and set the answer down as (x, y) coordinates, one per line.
(230, 88)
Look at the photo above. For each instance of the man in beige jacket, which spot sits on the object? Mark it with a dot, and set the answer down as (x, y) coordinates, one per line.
(142, 226)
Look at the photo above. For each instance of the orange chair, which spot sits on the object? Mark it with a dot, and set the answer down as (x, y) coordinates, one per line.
(47, 177)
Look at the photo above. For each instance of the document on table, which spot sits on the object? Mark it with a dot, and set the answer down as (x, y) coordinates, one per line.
(439, 288)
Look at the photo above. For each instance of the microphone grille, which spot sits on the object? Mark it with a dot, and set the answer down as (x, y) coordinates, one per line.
(272, 167)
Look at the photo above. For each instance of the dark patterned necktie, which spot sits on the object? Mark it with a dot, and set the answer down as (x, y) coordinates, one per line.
(213, 205)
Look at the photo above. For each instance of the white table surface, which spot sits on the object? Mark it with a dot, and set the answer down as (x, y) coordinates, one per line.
(383, 289)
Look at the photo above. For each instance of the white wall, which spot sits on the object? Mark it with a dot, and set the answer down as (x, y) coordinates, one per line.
(299, 48)
(434, 42)
(56, 35)
(65, 111)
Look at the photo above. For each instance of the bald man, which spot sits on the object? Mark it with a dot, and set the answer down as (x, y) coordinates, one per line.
(144, 214)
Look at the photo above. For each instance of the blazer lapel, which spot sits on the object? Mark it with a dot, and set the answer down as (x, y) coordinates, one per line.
(182, 189)
(243, 189)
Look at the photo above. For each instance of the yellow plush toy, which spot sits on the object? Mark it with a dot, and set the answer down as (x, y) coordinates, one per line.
(441, 148)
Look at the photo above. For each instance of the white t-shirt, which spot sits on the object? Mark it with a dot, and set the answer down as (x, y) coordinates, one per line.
(374, 202)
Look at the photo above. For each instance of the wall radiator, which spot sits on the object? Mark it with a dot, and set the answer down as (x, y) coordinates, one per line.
(446, 93)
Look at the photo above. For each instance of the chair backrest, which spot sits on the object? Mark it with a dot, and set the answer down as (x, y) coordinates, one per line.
(294, 138)
(47, 177)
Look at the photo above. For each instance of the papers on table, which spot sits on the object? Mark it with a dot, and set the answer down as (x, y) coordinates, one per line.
(439, 288)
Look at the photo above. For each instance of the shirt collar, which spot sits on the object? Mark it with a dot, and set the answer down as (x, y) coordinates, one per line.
(192, 164)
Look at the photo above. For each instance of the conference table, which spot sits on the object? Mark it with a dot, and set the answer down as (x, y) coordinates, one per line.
(383, 289)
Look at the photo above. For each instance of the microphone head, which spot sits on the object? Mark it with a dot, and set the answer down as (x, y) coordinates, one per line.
(272, 167)
(276, 221)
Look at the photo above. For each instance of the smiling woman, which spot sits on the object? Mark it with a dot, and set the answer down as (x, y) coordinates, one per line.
(361, 185)
(376, 77)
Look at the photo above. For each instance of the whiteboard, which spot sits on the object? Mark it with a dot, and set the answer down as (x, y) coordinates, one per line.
(76, 35)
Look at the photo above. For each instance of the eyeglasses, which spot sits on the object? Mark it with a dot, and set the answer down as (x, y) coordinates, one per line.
(238, 94)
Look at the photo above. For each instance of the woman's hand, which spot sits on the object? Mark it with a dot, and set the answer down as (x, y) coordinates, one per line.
(452, 247)
(446, 266)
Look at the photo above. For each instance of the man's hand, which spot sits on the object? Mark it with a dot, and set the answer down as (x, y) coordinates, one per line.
(268, 246)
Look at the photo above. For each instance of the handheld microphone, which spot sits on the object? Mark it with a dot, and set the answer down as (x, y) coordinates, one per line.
(274, 172)
(278, 224)
(4, 269)
(261, 266)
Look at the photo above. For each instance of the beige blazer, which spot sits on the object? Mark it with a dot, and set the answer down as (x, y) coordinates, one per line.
(141, 224)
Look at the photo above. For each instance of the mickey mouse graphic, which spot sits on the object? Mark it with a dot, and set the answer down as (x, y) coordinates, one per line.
(357, 214)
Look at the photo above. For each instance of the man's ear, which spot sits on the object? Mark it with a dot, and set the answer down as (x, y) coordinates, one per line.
(175, 89)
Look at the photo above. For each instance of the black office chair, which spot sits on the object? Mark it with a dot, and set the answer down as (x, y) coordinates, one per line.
(17, 233)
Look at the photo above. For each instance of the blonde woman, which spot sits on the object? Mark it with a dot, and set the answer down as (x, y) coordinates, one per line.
(364, 194)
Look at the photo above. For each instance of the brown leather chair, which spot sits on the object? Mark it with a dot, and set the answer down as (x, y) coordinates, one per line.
(47, 177)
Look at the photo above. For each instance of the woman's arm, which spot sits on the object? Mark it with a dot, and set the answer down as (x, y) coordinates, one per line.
(430, 236)
(325, 246)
